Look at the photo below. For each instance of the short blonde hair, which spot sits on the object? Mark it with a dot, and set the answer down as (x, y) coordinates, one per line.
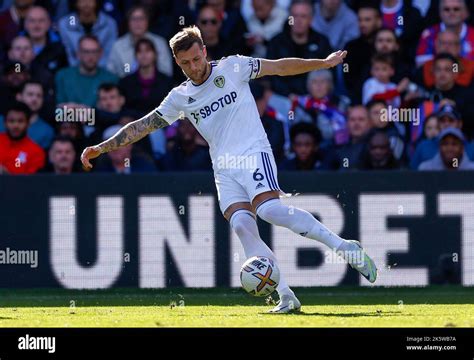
(184, 39)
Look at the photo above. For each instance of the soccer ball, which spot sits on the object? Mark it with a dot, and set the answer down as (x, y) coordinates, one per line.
(259, 276)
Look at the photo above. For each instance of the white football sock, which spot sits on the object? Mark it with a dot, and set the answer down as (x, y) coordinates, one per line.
(301, 222)
(245, 226)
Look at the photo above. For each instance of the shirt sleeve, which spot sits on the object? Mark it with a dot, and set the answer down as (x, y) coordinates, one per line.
(246, 67)
(168, 110)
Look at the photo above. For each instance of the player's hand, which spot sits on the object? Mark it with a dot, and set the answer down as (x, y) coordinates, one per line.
(335, 58)
(89, 153)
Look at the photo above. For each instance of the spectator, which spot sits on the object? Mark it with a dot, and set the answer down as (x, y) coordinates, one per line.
(74, 131)
(62, 156)
(14, 75)
(186, 154)
(47, 47)
(122, 60)
(247, 10)
(451, 154)
(431, 128)
(326, 109)
(445, 87)
(167, 16)
(432, 15)
(426, 149)
(78, 84)
(111, 111)
(210, 24)
(379, 155)
(453, 15)
(233, 25)
(110, 99)
(11, 21)
(386, 42)
(147, 86)
(360, 51)
(272, 121)
(22, 51)
(379, 85)
(110, 103)
(297, 40)
(378, 116)
(337, 20)
(430, 131)
(305, 140)
(447, 42)
(18, 153)
(32, 94)
(124, 160)
(349, 156)
(265, 22)
(116, 9)
(87, 20)
(405, 20)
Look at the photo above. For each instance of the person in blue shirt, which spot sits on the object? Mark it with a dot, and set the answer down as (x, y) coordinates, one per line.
(39, 131)
(448, 117)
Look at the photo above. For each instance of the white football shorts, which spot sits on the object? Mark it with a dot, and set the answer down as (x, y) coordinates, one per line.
(241, 179)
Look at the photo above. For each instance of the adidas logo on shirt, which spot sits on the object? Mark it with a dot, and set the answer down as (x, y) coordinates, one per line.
(191, 100)
(259, 185)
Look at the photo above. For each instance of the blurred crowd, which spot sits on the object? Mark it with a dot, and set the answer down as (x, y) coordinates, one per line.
(73, 72)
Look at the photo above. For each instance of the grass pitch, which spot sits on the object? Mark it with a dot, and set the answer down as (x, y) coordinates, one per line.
(434, 306)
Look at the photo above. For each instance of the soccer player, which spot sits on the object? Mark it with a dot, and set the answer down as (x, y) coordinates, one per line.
(216, 98)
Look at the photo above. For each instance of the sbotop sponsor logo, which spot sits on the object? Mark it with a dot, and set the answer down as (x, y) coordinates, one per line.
(228, 161)
(19, 257)
(341, 257)
(83, 115)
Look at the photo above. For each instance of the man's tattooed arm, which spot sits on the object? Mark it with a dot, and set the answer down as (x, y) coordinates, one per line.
(133, 132)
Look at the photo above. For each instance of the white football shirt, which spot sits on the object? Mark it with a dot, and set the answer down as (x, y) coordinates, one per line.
(222, 109)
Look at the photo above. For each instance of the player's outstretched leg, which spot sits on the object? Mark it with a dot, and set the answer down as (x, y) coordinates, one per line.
(303, 223)
(245, 226)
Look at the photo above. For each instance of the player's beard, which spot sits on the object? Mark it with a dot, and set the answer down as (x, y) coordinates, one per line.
(201, 75)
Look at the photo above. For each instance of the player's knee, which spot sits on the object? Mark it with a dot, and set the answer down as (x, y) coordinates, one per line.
(239, 221)
(272, 211)
(295, 219)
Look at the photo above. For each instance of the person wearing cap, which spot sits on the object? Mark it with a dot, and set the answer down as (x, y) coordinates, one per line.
(451, 154)
(448, 117)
